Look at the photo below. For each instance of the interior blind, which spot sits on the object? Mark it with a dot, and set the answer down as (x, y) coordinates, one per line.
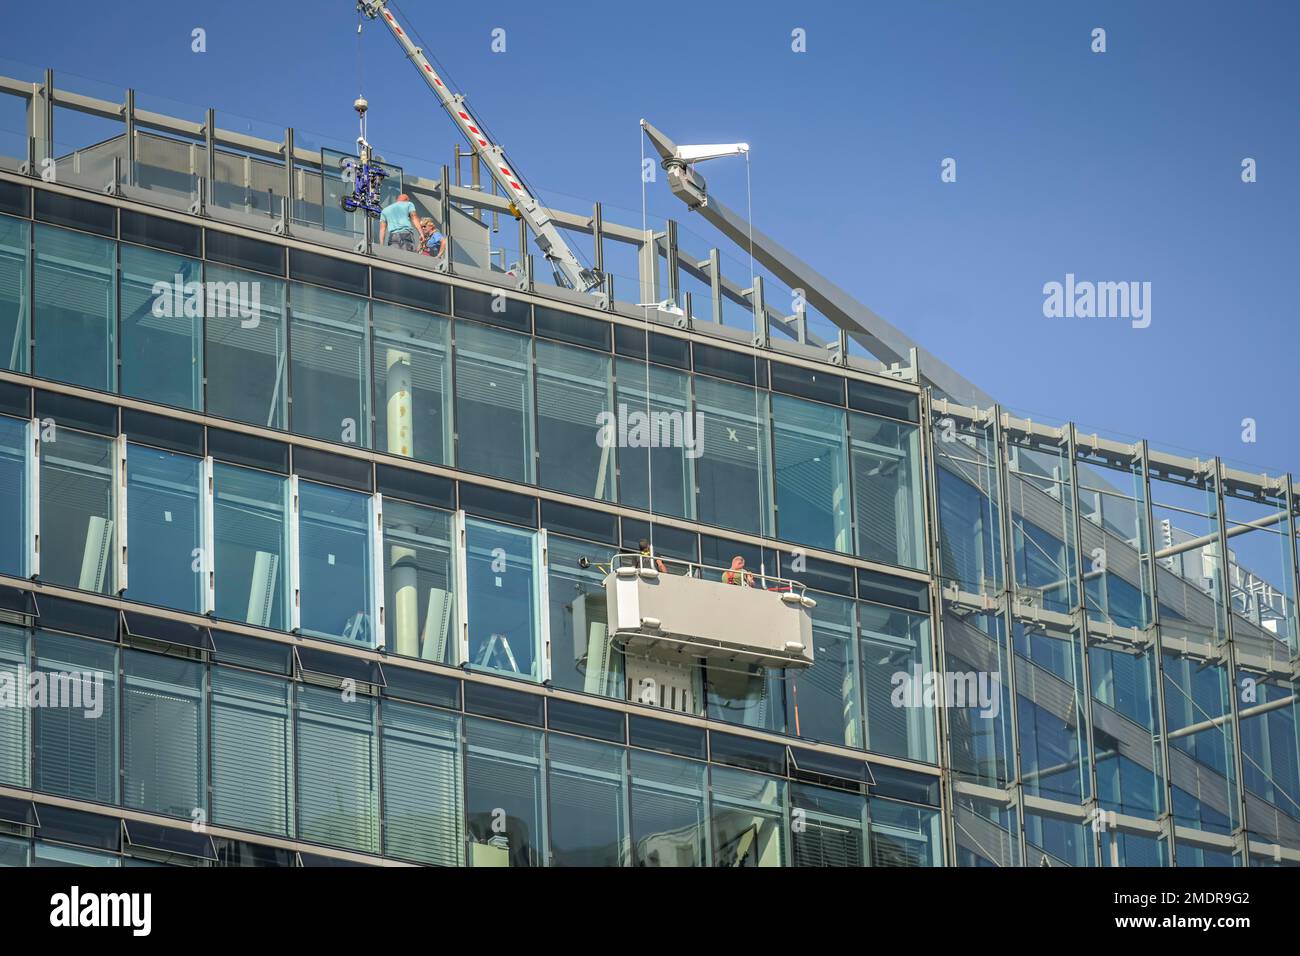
(337, 773)
(422, 785)
(76, 755)
(251, 751)
(162, 739)
(14, 727)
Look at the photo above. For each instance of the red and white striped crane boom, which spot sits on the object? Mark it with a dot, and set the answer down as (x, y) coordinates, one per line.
(547, 235)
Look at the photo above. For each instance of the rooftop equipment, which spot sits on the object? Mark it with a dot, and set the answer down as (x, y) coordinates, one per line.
(538, 217)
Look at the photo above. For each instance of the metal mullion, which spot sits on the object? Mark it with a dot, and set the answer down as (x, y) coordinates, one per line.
(1241, 833)
(1008, 611)
(1147, 517)
(1081, 611)
(1289, 502)
(943, 742)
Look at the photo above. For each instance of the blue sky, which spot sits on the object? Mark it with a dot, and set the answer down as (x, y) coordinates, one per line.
(1116, 166)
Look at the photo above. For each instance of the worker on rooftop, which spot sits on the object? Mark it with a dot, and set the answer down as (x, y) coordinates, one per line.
(430, 239)
(399, 225)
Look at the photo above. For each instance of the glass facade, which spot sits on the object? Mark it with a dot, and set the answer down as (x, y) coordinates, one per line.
(1028, 645)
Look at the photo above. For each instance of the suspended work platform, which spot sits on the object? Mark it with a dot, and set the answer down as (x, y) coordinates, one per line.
(697, 611)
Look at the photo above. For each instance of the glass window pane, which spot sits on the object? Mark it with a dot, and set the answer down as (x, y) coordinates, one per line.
(504, 612)
(573, 405)
(338, 799)
(14, 490)
(51, 854)
(78, 540)
(164, 728)
(162, 304)
(658, 478)
(75, 308)
(15, 728)
(419, 583)
(252, 752)
(668, 821)
(334, 564)
(412, 383)
(165, 529)
(905, 835)
(13, 852)
(503, 794)
(582, 655)
(422, 785)
(812, 474)
(251, 538)
(832, 827)
(588, 803)
(75, 730)
(329, 362)
(823, 701)
(734, 471)
(15, 294)
(887, 491)
(245, 346)
(494, 403)
(893, 643)
(748, 818)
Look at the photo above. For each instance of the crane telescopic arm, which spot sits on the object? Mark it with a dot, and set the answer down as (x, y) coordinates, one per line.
(548, 236)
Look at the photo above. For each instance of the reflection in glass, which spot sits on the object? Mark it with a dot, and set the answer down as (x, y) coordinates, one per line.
(588, 803)
(15, 292)
(748, 821)
(504, 611)
(905, 835)
(14, 542)
(895, 642)
(165, 529)
(503, 794)
(583, 657)
(832, 827)
(412, 375)
(334, 564)
(78, 539)
(668, 820)
(573, 393)
(887, 491)
(734, 471)
(245, 347)
(75, 308)
(969, 506)
(162, 307)
(251, 536)
(812, 474)
(419, 583)
(328, 365)
(659, 478)
(494, 402)
(422, 785)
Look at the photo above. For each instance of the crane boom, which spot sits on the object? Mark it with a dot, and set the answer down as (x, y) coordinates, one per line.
(548, 236)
